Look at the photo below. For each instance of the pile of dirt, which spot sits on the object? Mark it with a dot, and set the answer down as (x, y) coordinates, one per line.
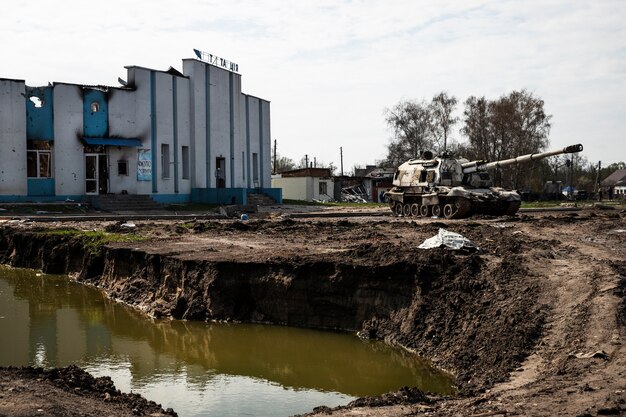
(403, 396)
(68, 392)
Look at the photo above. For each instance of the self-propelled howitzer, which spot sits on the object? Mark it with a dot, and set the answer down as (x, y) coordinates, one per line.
(455, 187)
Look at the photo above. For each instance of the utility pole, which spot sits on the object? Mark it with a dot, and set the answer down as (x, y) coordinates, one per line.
(571, 177)
(596, 185)
(341, 157)
(306, 160)
(274, 156)
(314, 162)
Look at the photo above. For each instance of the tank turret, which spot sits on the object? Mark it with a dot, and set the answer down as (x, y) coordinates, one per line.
(456, 187)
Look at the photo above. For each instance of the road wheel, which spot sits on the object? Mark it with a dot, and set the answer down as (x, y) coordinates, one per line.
(448, 211)
(424, 210)
(406, 209)
(397, 209)
(437, 210)
(463, 208)
(512, 208)
(415, 210)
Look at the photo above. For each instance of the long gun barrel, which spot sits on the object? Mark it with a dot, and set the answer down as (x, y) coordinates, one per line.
(476, 166)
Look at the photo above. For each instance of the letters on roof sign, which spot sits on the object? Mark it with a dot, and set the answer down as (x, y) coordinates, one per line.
(217, 61)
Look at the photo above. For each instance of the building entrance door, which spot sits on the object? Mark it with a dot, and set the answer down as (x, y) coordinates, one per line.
(220, 172)
(96, 173)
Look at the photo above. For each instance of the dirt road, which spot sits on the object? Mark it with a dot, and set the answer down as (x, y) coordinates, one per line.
(533, 324)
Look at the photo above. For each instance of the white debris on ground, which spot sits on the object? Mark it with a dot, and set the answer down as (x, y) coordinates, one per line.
(448, 239)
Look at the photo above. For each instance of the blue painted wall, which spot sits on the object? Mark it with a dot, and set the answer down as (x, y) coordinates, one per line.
(95, 123)
(171, 198)
(39, 122)
(40, 187)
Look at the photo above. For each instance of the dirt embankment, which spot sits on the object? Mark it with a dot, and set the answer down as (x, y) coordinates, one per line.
(435, 302)
(20, 397)
(538, 314)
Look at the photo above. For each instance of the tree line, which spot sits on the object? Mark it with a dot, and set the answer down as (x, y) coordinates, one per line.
(512, 125)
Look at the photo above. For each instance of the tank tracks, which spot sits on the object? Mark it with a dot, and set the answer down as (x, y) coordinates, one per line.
(452, 208)
(455, 208)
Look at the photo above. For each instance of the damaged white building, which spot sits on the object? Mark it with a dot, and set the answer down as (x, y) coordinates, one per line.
(176, 137)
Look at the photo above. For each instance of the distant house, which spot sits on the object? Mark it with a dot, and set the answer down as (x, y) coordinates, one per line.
(616, 184)
(305, 184)
(376, 181)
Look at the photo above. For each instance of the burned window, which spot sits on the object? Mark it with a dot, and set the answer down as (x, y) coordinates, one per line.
(38, 159)
(37, 102)
(185, 155)
(323, 188)
(122, 167)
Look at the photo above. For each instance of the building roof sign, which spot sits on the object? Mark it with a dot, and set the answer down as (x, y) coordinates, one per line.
(217, 61)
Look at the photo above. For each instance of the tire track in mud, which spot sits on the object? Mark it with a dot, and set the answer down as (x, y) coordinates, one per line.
(578, 356)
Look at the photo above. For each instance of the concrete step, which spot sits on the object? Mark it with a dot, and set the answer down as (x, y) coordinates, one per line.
(124, 202)
(260, 199)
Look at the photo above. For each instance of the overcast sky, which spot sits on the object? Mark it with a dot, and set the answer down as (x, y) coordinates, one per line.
(330, 68)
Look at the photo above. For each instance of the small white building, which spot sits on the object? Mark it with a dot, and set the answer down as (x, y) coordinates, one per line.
(615, 184)
(306, 184)
(177, 137)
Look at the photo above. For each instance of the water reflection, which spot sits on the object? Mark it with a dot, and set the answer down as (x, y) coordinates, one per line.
(50, 321)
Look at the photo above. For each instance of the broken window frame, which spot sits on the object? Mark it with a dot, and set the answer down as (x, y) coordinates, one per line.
(323, 188)
(38, 159)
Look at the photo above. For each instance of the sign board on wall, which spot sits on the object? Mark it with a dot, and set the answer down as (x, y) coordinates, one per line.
(144, 165)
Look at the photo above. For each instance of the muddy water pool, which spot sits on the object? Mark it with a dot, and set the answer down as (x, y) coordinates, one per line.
(198, 369)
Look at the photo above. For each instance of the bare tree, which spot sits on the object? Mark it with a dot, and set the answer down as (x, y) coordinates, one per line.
(528, 127)
(283, 164)
(477, 129)
(513, 125)
(309, 161)
(411, 122)
(442, 107)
